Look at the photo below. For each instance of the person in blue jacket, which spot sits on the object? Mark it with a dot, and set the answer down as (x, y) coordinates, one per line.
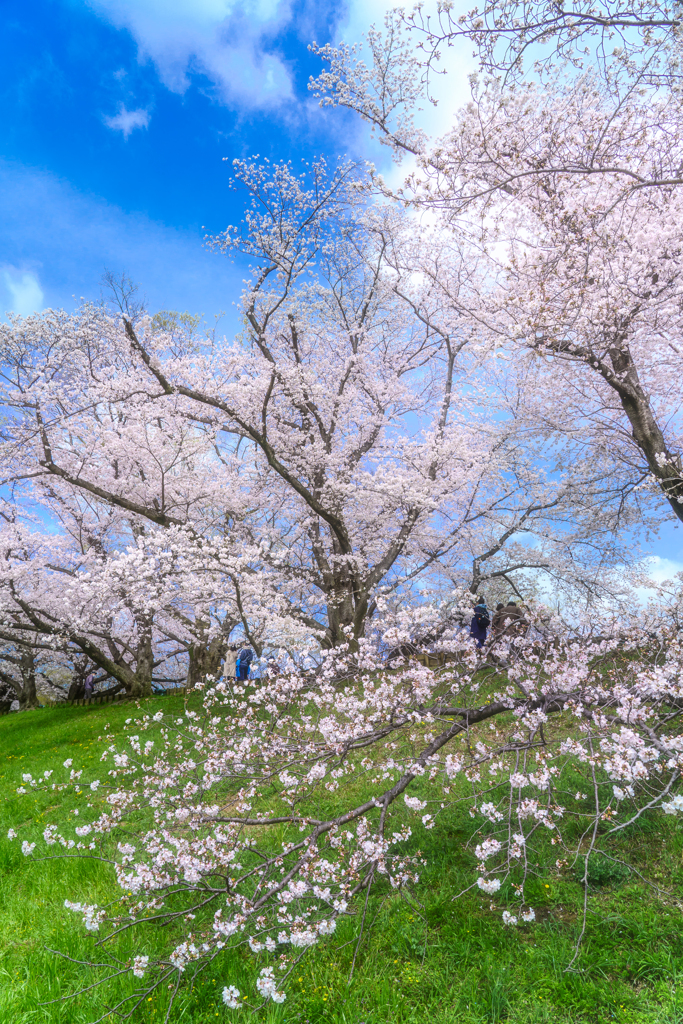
(480, 622)
(244, 660)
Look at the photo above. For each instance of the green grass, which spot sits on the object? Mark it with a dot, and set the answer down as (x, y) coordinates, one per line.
(440, 962)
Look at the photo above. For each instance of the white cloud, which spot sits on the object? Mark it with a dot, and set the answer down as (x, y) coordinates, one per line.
(661, 570)
(658, 577)
(450, 90)
(225, 40)
(25, 293)
(127, 121)
(233, 43)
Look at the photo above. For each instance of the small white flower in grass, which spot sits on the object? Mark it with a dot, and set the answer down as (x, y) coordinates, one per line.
(231, 997)
(298, 888)
(140, 965)
(529, 915)
(304, 938)
(489, 885)
(674, 806)
(11, 834)
(490, 812)
(92, 917)
(266, 985)
(95, 785)
(27, 848)
(67, 764)
(509, 918)
(489, 848)
(427, 821)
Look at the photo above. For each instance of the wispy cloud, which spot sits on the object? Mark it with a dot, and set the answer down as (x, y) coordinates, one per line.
(227, 41)
(72, 237)
(23, 290)
(661, 574)
(127, 121)
(662, 570)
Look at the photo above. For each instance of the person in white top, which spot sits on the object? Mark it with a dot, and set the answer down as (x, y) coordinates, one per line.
(230, 665)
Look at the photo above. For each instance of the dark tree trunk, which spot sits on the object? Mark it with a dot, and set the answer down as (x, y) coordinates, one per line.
(205, 659)
(664, 464)
(28, 698)
(141, 683)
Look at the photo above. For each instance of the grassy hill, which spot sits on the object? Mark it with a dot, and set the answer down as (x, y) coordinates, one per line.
(441, 962)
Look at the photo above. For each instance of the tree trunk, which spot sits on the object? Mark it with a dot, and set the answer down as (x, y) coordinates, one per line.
(347, 613)
(663, 464)
(141, 684)
(28, 698)
(205, 659)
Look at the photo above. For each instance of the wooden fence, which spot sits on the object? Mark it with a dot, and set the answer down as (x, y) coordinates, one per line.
(104, 698)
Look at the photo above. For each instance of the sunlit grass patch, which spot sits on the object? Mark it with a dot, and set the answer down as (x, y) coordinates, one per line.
(432, 958)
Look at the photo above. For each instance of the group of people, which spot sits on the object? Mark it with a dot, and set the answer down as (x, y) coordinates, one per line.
(508, 620)
(237, 662)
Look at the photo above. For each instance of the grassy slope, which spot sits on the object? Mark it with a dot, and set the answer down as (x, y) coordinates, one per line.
(442, 962)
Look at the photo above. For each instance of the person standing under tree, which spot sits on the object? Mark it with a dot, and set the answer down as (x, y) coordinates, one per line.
(498, 620)
(244, 660)
(514, 620)
(480, 622)
(230, 664)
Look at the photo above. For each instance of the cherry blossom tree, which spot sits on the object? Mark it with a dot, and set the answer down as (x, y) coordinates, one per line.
(511, 35)
(345, 446)
(628, 44)
(386, 429)
(274, 811)
(569, 188)
(609, 261)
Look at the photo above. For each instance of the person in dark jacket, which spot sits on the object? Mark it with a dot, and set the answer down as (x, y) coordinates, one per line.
(244, 660)
(498, 623)
(514, 618)
(480, 622)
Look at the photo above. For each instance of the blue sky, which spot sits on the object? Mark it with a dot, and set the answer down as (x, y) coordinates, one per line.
(119, 119)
